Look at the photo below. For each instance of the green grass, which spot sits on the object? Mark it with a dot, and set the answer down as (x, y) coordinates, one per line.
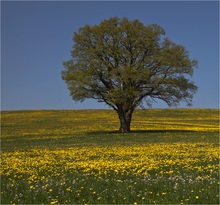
(78, 157)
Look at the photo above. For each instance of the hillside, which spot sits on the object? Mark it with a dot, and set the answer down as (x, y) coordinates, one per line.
(78, 157)
(68, 126)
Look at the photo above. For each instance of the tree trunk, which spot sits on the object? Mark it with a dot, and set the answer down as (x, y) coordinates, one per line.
(125, 120)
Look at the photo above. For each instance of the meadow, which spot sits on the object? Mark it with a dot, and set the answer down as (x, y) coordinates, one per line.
(78, 157)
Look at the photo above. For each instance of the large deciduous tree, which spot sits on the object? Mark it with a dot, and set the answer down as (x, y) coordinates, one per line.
(121, 63)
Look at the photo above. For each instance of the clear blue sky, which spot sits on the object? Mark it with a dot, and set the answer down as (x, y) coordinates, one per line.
(36, 37)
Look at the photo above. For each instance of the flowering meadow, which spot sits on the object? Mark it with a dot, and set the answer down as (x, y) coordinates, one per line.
(78, 157)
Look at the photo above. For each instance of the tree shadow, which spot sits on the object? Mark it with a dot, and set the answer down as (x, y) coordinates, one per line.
(101, 132)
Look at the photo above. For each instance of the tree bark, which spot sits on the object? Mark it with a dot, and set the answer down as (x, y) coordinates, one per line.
(125, 120)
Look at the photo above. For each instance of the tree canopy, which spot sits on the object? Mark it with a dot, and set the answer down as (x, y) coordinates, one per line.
(123, 63)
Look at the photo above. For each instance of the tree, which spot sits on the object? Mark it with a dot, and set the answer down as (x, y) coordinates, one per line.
(121, 63)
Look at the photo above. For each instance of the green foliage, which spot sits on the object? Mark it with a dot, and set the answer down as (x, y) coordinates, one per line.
(122, 62)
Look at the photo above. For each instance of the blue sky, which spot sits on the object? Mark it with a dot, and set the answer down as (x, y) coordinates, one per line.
(36, 37)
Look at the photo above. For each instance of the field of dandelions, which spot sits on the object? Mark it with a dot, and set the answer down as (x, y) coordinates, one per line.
(78, 157)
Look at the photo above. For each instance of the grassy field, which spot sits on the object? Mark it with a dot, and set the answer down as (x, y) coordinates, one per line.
(78, 157)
